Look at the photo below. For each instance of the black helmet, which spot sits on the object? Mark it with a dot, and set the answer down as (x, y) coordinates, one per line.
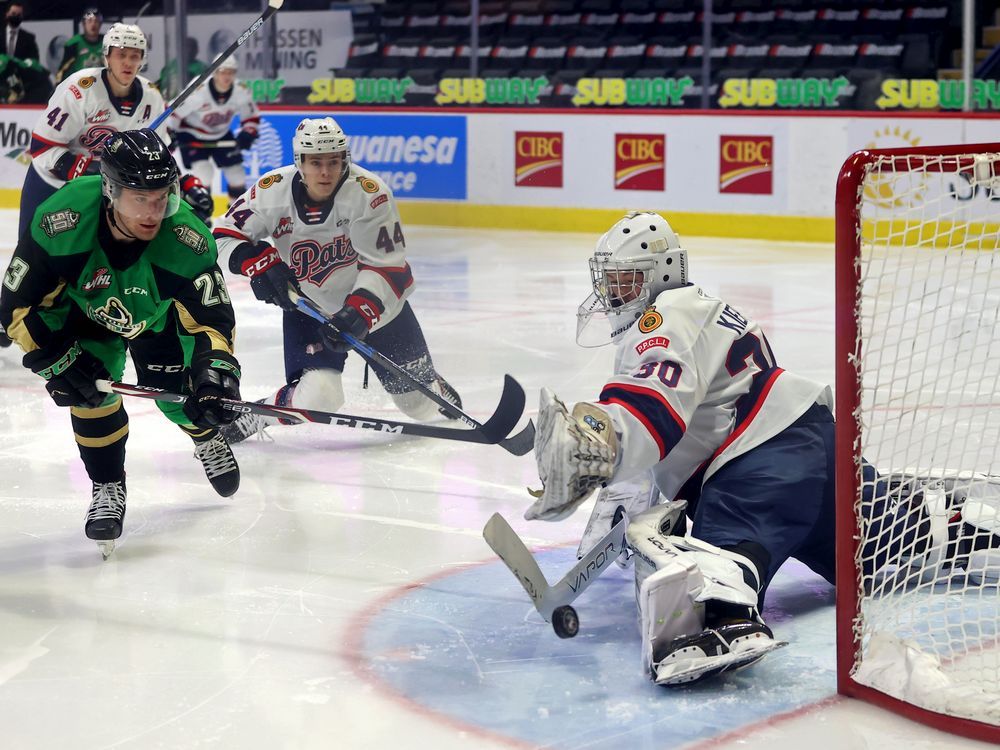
(137, 160)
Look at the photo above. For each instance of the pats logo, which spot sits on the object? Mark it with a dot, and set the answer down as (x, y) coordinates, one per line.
(538, 159)
(100, 280)
(745, 164)
(314, 263)
(650, 321)
(640, 161)
(657, 341)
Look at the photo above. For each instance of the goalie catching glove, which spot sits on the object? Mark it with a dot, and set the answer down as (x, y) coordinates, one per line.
(575, 453)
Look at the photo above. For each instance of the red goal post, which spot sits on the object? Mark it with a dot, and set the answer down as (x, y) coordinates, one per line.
(917, 370)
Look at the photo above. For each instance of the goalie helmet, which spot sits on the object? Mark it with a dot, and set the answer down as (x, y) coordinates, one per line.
(138, 160)
(634, 261)
(125, 35)
(321, 135)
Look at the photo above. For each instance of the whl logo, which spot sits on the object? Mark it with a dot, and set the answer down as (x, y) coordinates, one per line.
(100, 280)
(538, 159)
(640, 161)
(745, 164)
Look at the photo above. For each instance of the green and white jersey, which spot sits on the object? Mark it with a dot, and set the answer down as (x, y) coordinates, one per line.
(78, 54)
(70, 264)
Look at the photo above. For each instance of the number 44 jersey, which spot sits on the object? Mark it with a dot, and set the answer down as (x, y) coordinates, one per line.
(696, 385)
(353, 241)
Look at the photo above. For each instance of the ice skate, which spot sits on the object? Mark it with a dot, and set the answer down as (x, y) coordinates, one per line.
(247, 425)
(446, 391)
(725, 648)
(106, 515)
(220, 464)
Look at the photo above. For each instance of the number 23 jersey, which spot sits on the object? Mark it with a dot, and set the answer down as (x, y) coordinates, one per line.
(354, 241)
(696, 384)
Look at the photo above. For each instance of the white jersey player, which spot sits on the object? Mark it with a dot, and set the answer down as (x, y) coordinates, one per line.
(699, 405)
(331, 230)
(85, 109)
(202, 128)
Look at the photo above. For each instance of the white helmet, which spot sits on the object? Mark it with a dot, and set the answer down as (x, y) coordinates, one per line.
(228, 64)
(634, 261)
(321, 135)
(125, 35)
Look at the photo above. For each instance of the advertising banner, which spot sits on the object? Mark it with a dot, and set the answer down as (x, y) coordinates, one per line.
(418, 156)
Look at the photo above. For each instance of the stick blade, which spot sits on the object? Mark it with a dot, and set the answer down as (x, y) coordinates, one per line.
(522, 442)
(508, 545)
(507, 414)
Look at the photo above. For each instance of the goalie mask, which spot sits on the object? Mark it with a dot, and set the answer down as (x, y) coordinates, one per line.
(634, 261)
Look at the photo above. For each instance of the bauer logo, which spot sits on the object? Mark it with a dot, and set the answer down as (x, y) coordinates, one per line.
(640, 161)
(538, 159)
(745, 164)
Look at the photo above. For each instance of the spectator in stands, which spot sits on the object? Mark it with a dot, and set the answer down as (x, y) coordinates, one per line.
(168, 83)
(15, 41)
(84, 50)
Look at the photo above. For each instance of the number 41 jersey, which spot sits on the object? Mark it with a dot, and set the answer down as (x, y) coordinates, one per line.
(696, 385)
(352, 242)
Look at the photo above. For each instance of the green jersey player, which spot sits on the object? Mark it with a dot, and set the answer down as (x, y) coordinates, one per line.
(119, 263)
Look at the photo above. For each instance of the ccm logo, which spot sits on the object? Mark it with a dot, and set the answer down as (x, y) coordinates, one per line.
(661, 341)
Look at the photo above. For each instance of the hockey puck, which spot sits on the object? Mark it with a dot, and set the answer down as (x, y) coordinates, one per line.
(565, 621)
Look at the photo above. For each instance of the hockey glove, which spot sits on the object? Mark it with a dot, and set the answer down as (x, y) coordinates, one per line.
(356, 317)
(215, 375)
(270, 276)
(575, 453)
(245, 139)
(198, 197)
(70, 374)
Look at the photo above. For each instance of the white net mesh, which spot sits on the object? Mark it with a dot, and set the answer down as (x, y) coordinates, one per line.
(928, 314)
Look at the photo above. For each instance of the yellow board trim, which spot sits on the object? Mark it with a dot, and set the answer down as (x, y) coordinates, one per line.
(588, 220)
(102, 442)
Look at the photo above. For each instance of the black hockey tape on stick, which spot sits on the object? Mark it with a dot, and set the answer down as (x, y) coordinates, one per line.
(490, 433)
(272, 8)
(518, 444)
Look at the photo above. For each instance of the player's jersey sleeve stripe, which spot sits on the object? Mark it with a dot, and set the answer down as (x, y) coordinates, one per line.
(399, 279)
(661, 421)
(40, 145)
(223, 232)
(192, 326)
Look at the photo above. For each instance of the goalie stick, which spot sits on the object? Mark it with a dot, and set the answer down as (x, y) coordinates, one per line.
(518, 444)
(553, 602)
(272, 8)
(495, 429)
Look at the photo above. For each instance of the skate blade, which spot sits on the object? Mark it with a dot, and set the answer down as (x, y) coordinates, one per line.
(106, 548)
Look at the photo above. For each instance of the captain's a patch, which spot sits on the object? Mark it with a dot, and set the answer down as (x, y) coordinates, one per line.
(192, 238)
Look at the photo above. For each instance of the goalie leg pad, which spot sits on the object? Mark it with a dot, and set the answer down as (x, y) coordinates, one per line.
(981, 531)
(575, 454)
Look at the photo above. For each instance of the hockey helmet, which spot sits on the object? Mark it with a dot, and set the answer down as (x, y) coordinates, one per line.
(92, 13)
(228, 64)
(321, 135)
(634, 261)
(125, 35)
(138, 160)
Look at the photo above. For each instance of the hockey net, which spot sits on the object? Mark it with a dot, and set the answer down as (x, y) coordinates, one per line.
(918, 434)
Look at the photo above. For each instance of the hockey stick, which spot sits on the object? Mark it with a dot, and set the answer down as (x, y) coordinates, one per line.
(495, 429)
(518, 444)
(272, 8)
(553, 602)
(142, 10)
(211, 144)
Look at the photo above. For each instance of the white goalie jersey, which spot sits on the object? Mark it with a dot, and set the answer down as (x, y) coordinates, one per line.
(353, 241)
(81, 113)
(208, 115)
(696, 385)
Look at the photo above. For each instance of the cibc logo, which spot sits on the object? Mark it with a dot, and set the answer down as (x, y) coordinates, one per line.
(745, 164)
(640, 161)
(538, 159)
